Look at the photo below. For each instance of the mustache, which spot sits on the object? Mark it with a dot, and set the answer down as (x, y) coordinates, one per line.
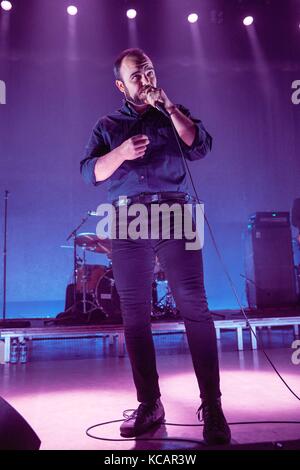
(148, 87)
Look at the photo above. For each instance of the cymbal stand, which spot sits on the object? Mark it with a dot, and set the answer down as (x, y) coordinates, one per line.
(84, 280)
(296, 244)
(73, 235)
(84, 286)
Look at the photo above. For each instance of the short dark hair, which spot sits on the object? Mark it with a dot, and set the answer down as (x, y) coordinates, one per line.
(133, 51)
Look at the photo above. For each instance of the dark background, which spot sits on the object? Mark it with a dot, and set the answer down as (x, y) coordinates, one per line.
(58, 74)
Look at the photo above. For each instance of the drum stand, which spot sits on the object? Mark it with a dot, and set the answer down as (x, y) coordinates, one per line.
(84, 288)
(75, 315)
(159, 310)
(84, 281)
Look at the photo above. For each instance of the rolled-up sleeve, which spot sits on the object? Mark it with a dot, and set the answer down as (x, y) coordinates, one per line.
(202, 142)
(95, 148)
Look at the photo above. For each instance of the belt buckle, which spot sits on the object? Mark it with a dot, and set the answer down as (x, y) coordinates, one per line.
(123, 201)
(154, 197)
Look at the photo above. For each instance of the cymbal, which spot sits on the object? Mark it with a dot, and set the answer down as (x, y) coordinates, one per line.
(91, 242)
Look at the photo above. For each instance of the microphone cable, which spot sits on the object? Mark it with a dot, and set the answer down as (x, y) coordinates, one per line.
(276, 444)
(227, 274)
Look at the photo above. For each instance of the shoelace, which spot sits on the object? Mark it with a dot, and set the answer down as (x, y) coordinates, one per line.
(141, 409)
(199, 413)
(210, 414)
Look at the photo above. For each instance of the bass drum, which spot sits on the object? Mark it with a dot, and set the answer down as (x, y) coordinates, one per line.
(89, 274)
(107, 297)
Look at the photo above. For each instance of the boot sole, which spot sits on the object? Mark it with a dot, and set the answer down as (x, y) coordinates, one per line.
(135, 433)
(217, 441)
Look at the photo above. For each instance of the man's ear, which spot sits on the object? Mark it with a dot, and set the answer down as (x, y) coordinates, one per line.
(120, 85)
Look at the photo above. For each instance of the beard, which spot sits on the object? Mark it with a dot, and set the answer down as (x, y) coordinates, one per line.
(133, 99)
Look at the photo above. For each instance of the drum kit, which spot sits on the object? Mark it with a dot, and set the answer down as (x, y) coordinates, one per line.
(95, 282)
(95, 294)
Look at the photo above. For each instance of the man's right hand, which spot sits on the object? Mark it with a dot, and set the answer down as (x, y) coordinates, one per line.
(135, 147)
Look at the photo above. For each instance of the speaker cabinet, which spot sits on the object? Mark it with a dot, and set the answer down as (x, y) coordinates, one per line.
(15, 432)
(269, 261)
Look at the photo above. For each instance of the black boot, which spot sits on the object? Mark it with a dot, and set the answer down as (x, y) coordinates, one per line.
(144, 418)
(215, 429)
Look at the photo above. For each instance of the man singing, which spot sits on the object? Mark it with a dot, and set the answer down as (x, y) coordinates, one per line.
(136, 150)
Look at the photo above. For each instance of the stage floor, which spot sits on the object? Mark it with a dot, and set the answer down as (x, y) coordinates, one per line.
(63, 394)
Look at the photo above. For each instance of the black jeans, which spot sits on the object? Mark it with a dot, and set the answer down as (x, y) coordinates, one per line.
(133, 265)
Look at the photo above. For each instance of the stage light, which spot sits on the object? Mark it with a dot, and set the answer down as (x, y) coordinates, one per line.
(5, 5)
(248, 20)
(131, 14)
(193, 17)
(72, 10)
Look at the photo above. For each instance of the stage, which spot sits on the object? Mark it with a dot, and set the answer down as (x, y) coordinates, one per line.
(142, 177)
(55, 329)
(70, 385)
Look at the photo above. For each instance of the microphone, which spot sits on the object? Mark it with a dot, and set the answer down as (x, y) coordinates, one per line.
(160, 107)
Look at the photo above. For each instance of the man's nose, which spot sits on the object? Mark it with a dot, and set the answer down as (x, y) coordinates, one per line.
(145, 80)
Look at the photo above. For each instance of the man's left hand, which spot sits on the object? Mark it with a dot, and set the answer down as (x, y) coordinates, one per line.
(154, 95)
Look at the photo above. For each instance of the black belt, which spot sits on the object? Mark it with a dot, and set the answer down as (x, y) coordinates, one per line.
(148, 198)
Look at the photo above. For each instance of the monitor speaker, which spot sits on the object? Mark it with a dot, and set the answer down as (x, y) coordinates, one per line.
(15, 432)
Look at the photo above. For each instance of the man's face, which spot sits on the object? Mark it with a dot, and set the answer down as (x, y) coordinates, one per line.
(137, 73)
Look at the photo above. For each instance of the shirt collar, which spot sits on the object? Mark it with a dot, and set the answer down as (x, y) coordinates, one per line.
(128, 109)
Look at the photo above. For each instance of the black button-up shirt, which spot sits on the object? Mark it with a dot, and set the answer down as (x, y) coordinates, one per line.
(160, 169)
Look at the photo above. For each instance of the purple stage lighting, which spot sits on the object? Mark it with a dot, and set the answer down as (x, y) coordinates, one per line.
(131, 14)
(193, 17)
(248, 20)
(72, 10)
(5, 5)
